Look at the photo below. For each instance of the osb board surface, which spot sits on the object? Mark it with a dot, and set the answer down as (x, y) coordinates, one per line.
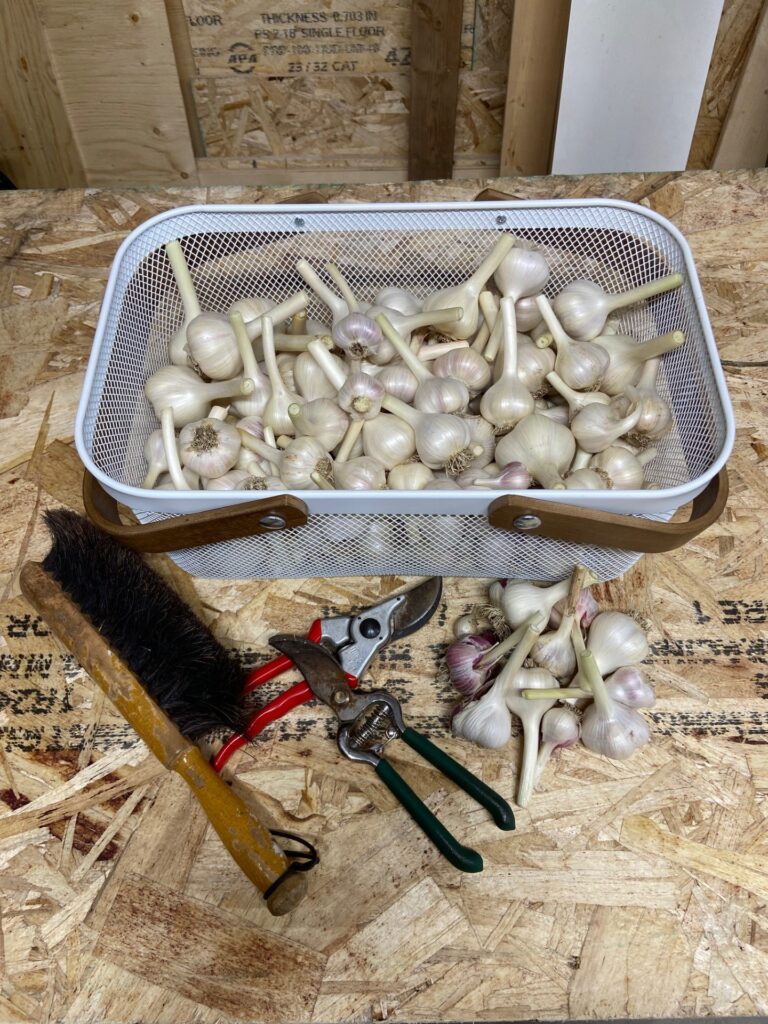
(327, 85)
(633, 889)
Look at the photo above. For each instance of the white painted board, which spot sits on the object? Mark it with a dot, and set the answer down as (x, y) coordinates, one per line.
(633, 78)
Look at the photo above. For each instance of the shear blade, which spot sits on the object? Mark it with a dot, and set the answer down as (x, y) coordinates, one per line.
(418, 607)
(323, 674)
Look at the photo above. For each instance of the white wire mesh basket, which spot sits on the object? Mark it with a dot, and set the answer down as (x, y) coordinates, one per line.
(237, 251)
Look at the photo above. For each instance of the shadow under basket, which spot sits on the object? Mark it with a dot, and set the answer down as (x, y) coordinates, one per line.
(541, 534)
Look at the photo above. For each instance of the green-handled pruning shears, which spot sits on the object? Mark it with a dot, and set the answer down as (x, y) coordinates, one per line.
(367, 721)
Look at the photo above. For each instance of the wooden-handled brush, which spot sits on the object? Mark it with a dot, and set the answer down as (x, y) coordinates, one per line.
(143, 626)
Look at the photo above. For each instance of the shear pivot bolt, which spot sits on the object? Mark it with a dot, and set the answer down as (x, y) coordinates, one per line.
(340, 697)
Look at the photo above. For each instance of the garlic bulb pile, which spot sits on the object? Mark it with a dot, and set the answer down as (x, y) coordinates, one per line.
(434, 393)
(596, 679)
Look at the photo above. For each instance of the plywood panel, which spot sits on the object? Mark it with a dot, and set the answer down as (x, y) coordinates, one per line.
(115, 67)
(743, 141)
(37, 147)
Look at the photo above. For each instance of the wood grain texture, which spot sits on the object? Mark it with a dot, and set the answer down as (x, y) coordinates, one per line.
(435, 51)
(743, 141)
(536, 55)
(37, 145)
(618, 872)
(115, 67)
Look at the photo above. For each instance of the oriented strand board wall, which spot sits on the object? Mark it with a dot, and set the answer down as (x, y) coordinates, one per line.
(301, 86)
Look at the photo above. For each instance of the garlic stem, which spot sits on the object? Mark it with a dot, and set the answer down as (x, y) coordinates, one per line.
(320, 481)
(489, 659)
(337, 306)
(412, 361)
(298, 323)
(556, 693)
(331, 369)
(171, 451)
(288, 307)
(645, 291)
(576, 399)
(481, 338)
(427, 352)
(348, 441)
(299, 342)
(343, 285)
(184, 283)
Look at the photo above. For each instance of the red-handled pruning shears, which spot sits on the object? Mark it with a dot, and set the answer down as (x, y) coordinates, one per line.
(353, 640)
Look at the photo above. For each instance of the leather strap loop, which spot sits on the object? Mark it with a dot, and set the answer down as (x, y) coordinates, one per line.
(527, 514)
(268, 515)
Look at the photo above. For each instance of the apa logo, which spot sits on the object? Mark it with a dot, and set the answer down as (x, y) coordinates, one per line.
(242, 58)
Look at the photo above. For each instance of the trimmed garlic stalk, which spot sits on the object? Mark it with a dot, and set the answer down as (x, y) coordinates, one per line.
(405, 324)
(464, 365)
(544, 447)
(433, 394)
(442, 440)
(626, 356)
(388, 439)
(621, 468)
(508, 401)
(343, 285)
(276, 410)
(361, 474)
(209, 447)
(311, 381)
(322, 419)
(581, 365)
(608, 727)
(530, 714)
(189, 301)
(410, 476)
(596, 427)
(560, 728)
(554, 651)
(577, 400)
(256, 401)
(252, 311)
(582, 307)
(431, 349)
(358, 336)
(339, 307)
(466, 294)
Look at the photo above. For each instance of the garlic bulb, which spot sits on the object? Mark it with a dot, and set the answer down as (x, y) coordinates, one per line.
(398, 299)
(533, 364)
(165, 482)
(514, 477)
(398, 381)
(527, 313)
(522, 272)
(620, 468)
(252, 311)
(154, 453)
(521, 600)
(481, 435)
(485, 720)
(410, 476)
(582, 307)
(405, 324)
(363, 474)
(177, 344)
(285, 364)
(554, 651)
(276, 410)
(544, 447)
(559, 728)
(310, 380)
(322, 419)
(581, 365)
(212, 346)
(596, 427)
(507, 402)
(439, 394)
(626, 356)
(586, 609)
(209, 447)
(442, 440)
(357, 335)
(616, 640)
(180, 389)
(388, 439)
(462, 657)
(464, 365)
(466, 294)
(587, 480)
(360, 396)
(632, 687)
(242, 480)
(607, 727)
(655, 414)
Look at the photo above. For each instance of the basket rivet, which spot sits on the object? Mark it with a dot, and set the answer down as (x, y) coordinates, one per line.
(272, 521)
(527, 521)
(501, 219)
(298, 222)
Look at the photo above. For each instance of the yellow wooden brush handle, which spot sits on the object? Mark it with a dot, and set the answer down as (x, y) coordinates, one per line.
(238, 826)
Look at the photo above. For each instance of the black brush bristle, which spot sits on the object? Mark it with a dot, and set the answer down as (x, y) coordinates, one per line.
(174, 655)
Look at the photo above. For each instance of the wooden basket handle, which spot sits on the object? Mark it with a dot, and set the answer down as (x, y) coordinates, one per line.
(521, 513)
(268, 515)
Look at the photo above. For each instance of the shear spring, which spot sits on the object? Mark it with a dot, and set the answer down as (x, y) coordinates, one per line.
(373, 729)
